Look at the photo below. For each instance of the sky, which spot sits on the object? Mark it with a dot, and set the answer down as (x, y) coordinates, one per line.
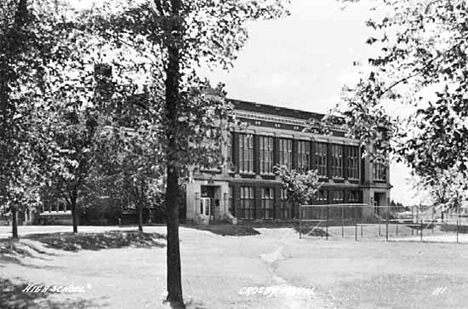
(303, 61)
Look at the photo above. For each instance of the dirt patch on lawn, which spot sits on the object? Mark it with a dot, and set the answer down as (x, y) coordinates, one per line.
(99, 241)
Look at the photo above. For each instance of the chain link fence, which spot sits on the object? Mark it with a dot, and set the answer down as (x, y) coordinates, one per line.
(366, 222)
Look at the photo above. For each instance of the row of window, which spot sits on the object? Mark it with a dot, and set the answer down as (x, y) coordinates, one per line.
(247, 205)
(57, 207)
(285, 156)
(246, 209)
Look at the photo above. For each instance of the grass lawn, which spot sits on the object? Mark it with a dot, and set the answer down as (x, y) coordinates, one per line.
(129, 272)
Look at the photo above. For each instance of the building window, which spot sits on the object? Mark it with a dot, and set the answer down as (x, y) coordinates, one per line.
(285, 153)
(337, 161)
(303, 156)
(338, 197)
(353, 162)
(321, 197)
(321, 159)
(246, 152)
(247, 203)
(379, 171)
(268, 202)
(286, 206)
(353, 196)
(266, 154)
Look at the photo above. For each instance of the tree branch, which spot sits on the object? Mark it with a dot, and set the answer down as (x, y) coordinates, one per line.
(159, 7)
(422, 69)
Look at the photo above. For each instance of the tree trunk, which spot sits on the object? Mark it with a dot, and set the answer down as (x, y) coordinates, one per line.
(140, 217)
(14, 222)
(174, 276)
(73, 198)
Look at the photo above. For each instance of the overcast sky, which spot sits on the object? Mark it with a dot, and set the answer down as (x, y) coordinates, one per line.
(303, 61)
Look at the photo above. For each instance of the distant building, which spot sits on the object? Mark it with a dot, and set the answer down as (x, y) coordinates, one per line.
(247, 189)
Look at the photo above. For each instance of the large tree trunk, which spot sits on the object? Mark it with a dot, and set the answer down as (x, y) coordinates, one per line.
(140, 217)
(174, 276)
(74, 210)
(14, 222)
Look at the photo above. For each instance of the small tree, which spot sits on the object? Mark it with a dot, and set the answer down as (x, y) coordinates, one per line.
(447, 188)
(75, 139)
(300, 187)
(131, 156)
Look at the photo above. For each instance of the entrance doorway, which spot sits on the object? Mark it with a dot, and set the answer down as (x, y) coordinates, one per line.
(379, 201)
(208, 201)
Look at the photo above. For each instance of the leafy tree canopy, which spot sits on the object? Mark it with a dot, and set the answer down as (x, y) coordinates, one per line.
(418, 67)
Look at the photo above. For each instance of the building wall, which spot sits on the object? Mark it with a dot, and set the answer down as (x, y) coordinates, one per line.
(285, 124)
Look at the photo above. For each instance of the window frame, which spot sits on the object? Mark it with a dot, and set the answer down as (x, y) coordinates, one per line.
(247, 203)
(337, 170)
(338, 197)
(353, 196)
(285, 205)
(266, 152)
(268, 203)
(285, 153)
(303, 156)
(321, 159)
(246, 153)
(379, 172)
(353, 162)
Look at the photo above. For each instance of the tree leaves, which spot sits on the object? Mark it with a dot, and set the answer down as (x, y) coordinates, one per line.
(300, 187)
(422, 67)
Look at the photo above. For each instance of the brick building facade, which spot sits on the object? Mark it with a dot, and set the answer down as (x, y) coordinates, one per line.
(246, 188)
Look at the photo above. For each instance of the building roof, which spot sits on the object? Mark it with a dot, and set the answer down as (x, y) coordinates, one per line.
(274, 110)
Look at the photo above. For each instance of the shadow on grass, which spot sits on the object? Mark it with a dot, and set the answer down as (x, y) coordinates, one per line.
(249, 229)
(226, 229)
(12, 296)
(463, 229)
(310, 230)
(13, 251)
(99, 241)
(194, 304)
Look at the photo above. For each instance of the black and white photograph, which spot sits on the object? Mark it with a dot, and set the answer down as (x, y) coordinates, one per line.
(212, 154)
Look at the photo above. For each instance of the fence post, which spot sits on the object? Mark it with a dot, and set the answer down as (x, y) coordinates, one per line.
(326, 225)
(417, 213)
(432, 221)
(300, 222)
(422, 227)
(355, 230)
(457, 230)
(386, 229)
(342, 221)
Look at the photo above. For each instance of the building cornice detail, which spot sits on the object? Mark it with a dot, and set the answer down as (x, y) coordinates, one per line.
(281, 119)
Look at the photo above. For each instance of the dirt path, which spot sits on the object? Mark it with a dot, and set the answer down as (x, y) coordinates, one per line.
(288, 295)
